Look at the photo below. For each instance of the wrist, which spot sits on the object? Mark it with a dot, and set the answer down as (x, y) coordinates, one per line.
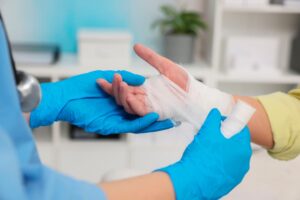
(156, 185)
(210, 98)
(46, 112)
(183, 184)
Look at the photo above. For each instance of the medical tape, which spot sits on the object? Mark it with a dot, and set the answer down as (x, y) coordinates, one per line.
(193, 105)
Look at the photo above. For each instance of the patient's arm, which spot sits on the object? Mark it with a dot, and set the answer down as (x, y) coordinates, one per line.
(134, 101)
(153, 186)
(134, 98)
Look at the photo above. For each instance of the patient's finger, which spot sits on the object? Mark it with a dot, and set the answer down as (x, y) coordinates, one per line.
(116, 87)
(124, 90)
(137, 104)
(106, 86)
(138, 90)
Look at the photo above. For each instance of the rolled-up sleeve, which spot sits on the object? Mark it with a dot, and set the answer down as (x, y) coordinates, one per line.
(283, 111)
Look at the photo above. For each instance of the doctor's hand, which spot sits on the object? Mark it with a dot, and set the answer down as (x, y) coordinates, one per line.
(81, 102)
(212, 165)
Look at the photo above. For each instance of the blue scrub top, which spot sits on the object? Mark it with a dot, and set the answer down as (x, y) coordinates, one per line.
(22, 175)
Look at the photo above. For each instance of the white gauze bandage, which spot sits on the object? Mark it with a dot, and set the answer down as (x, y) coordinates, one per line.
(193, 105)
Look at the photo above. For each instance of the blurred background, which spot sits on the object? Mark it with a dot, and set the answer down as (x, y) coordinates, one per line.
(59, 21)
(245, 47)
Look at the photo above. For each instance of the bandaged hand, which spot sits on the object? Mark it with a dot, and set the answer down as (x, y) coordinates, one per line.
(134, 99)
(175, 94)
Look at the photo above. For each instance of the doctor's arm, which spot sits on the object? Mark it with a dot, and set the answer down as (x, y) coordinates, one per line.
(203, 172)
(153, 186)
(210, 168)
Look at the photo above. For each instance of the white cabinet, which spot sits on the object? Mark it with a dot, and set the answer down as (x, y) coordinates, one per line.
(104, 48)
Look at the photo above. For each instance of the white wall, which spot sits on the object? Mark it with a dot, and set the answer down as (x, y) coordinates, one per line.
(24, 21)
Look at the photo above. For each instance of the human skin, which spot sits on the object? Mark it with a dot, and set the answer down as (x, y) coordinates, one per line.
(133, 98)
(152, 186)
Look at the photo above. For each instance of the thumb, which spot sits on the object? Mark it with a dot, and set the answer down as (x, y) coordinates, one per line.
(160, 63)
(212, 123)
(138, 124)
(158, 126)
(163, 65)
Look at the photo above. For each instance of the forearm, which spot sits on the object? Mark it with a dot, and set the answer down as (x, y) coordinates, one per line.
(259, 125)
(153, 186)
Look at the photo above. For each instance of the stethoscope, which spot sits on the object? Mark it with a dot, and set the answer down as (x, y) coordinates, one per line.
(28, 87)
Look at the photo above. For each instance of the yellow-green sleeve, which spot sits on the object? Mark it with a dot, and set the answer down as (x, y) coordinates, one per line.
(283, 111)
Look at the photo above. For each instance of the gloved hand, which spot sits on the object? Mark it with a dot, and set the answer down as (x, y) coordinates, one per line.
(80, 101)
(212, 165)
(104, 116)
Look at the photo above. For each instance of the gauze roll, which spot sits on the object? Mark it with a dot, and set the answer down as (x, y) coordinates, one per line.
(193, 105)
(171, 102)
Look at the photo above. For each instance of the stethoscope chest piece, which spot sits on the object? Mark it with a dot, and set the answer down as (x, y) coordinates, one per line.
(29, 91)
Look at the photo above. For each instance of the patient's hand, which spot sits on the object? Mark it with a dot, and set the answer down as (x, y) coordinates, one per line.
(133, 99)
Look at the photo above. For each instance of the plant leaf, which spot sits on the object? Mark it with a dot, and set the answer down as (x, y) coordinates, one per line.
(169, 11)
(179, 22)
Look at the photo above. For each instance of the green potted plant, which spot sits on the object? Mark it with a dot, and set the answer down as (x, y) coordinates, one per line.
(180, 29)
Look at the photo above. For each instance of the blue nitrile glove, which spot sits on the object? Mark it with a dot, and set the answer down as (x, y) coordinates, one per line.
(80, 101)
(104, 116)
(212, 165)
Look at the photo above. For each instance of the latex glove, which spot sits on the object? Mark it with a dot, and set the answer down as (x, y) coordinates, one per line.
(80, 101)
(212, 165)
